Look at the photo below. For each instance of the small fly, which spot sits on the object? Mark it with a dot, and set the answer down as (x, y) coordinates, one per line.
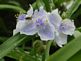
(29, 18)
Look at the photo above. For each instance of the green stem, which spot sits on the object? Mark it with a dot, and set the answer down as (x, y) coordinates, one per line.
(47, 49)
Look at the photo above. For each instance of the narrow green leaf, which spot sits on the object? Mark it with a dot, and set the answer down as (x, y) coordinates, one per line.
(67, 51)
(11, 43)
(15, 54)
(77, 13)
(12, 2)
(73, 8)
(17, 8)
(77, 33)
(79, 29)
(76, 57)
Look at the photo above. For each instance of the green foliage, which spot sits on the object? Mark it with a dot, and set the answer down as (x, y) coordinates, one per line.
(23, 48)
(19, 54)
(11, 43)
(73, 8)
(67, 51)
(17, 8)
(47, 5)
(76, 57)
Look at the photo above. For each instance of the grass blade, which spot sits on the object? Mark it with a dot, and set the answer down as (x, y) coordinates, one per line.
(76, 57)
(73, 8)
(10, 44)
(67, 51)
(17, 8)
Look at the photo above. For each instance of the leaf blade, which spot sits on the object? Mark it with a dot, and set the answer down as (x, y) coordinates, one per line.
(17, 8)
(67, 51)
(10, 44)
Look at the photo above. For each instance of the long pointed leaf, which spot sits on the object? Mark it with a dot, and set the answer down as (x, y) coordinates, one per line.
(67, 51)
(73, 8)
(17, 8)
(11, 43)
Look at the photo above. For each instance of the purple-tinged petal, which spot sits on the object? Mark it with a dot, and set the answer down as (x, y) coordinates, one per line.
(61, 39)
(20, 25)
(55, 18)
(35, 15)
(46, 32)
(21, 17)
(67, 27)
(42, 12)
(39, 22)
(29, 29)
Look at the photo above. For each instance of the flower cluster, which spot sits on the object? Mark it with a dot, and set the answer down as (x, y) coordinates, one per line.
(48, 25)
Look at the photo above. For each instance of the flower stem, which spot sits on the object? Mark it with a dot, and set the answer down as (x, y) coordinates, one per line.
(47, 49)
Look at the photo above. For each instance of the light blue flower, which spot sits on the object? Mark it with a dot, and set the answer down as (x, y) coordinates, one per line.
(63, 27)
(49, 26)
(36, 22)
